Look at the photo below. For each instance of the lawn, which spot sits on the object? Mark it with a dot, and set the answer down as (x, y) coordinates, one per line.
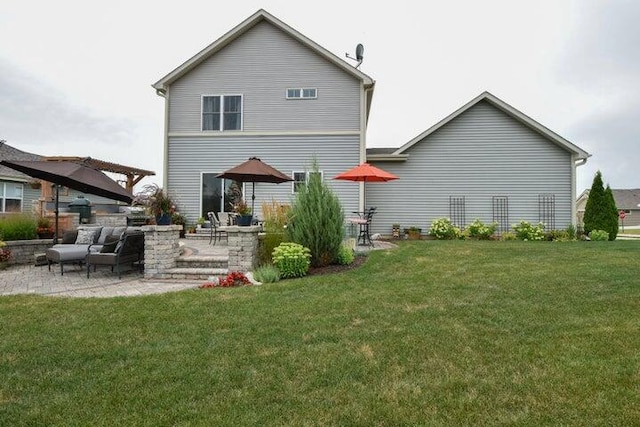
(432, 333)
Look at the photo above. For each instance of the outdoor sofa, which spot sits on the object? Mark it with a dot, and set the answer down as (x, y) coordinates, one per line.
(76, 244)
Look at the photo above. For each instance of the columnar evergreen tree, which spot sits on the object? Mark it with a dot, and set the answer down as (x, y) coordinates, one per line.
(317, 220)
(612, 226)
(600, 209)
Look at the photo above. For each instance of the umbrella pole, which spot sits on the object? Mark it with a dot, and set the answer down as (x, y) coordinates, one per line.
(253, 197)
(55, 236)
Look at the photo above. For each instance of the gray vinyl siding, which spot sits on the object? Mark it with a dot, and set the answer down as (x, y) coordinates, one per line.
(480, 154)
(190, 157)
(261, 65)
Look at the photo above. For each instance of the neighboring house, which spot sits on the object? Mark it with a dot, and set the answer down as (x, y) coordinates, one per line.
(626, 200)
(265, 90)
(17, 190)
(486, 160)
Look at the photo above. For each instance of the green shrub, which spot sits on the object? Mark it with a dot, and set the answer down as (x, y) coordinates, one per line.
(571, 231)
(508, 235)
(600, 212)
(316, 220)
(268, 243)
(478, 230)
(558, 236)
(292, 259)
(267, 274)
(598, 235)
(18, 227)
(346, 255)
(525, 231)
(442, 229)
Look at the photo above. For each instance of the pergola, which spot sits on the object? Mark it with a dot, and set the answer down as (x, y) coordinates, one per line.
(134, 175)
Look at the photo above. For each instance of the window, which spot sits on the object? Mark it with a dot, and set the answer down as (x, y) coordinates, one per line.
(222, 112)
(301, 178)
(10, 197)
(302, 93)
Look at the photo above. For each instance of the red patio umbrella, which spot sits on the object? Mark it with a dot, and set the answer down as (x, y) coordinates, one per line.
(366, 173)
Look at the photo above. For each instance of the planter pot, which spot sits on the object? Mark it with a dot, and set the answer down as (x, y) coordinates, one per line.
(164, 219)
(244, 220)
(414, 235)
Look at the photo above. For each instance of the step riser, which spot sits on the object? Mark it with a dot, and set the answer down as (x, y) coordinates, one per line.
(186, 263)
(193, 273)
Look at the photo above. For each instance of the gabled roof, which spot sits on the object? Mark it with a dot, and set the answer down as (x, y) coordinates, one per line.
(507, 109)
(8, 152)
(625, 199)
(261, 15)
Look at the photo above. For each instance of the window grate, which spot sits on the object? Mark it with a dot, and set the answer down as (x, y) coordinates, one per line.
(457, 211)
(547, 210)
(501, 212)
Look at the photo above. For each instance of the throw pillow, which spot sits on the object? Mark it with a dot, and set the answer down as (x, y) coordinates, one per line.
(110, 244)
(106, 231)
(69, 237)
(85, 237)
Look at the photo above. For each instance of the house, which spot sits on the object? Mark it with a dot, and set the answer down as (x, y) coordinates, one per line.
(17, 190)
(626, 200)
(264, 90)
(486, 160)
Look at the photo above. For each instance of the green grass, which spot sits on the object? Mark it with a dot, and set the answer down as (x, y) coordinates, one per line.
(433, 333)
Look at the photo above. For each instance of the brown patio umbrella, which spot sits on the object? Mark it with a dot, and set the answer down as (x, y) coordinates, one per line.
(73, 175)
(255, 170)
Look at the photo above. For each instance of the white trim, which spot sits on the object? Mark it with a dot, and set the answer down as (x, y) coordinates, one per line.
(301, 97)
(222, 97)
(207, 133)
(3, 196)
(243, 27)
(509, 110)
(306, 178)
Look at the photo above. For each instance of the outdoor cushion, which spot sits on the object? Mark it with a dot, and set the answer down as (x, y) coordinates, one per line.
(85, 236)
(110, 244)
(104, 233)
(69, 237)
(117, 231)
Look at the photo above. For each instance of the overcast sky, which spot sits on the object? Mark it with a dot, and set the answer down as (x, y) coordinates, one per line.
(75, 76)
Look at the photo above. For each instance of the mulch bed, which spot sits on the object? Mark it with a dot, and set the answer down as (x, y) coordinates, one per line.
(331, 269)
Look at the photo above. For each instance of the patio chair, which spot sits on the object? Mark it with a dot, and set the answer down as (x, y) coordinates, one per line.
(216, 232)
(364, 222)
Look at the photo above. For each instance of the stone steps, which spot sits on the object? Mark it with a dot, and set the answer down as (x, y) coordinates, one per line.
(203, 261)
(182, 273)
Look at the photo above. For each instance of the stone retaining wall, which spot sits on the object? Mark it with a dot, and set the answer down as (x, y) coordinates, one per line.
(110, 219)
(161, 249)
(243, 247)
(22, 251)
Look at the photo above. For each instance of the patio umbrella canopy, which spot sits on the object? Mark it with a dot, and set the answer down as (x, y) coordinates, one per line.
(366, 173)
(255, 170)
(73, 175)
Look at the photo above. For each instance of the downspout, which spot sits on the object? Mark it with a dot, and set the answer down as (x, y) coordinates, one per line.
(165, 161)
(574, 209)
(363, 139)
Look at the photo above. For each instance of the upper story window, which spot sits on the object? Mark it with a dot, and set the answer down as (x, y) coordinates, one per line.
(222, 112)
(302, 178)
(302, 93)
(10, 197)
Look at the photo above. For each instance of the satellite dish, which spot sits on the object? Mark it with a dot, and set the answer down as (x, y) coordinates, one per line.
(359, 54)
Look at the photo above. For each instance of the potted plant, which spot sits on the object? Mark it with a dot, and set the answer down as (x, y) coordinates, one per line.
(414, 233)
(200, 222)
(44, 229)
(159, 202)
(395, 231)
(178, 219)
(244, 213)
